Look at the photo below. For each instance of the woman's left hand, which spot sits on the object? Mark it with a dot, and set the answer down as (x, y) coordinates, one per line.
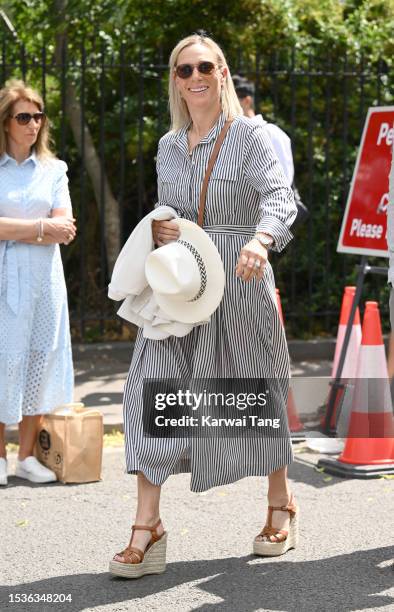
(251, 261)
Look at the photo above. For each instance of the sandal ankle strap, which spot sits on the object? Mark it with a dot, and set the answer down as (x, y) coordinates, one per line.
(290, 507)
(153, 530)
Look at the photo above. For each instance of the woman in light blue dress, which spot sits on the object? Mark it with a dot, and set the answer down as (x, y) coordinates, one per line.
(36, 371)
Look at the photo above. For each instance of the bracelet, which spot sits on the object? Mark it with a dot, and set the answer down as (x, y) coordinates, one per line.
(40, 229)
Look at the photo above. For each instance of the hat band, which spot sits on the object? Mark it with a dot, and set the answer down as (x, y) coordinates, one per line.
(201, 269)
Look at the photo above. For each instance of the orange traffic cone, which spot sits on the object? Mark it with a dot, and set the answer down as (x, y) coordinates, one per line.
(350, 364)
(295, 424)
(369, 446)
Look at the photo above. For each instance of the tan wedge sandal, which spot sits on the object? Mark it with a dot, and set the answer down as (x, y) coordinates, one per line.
(283, 540)
(138, 563)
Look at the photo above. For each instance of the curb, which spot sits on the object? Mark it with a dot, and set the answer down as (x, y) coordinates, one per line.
(300, 350)
(319, 349)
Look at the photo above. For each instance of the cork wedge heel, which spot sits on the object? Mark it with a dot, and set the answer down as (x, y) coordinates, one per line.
(138, 563)
(283, 540)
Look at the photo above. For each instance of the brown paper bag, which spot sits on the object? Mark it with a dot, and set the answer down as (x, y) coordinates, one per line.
(70, 442)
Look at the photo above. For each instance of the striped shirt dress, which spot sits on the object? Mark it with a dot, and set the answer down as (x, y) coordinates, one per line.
(247, 191)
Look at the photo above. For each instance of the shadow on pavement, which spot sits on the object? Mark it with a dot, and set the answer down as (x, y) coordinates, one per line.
(100, 372)
(96, 400)
(343, 582)
(22, 483)
(302, 470)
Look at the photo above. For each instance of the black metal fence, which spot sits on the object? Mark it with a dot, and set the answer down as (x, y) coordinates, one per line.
(108, 112)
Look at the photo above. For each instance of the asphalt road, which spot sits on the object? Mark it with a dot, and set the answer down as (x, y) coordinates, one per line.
(57, 539)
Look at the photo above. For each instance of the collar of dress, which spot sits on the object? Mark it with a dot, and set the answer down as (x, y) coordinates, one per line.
(181, 136)
(5, 158)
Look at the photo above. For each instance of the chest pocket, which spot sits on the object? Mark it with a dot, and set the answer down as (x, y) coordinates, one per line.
(222, 172)
(173, 188)
(222, 193)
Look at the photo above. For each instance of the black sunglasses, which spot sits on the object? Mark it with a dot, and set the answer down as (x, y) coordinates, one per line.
(25, 118)
(184, 71)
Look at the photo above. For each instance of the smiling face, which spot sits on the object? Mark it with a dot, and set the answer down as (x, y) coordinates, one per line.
(200, 91)
(22, 136)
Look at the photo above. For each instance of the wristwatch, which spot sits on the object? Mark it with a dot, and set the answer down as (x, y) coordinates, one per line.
(265, 240)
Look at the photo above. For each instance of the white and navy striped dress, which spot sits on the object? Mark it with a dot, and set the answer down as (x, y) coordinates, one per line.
(244, 339)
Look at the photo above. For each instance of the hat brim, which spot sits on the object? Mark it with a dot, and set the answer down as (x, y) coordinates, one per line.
(202, 308)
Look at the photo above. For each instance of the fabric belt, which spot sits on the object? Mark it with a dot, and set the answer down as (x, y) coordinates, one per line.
(244, 230)
(8, 253)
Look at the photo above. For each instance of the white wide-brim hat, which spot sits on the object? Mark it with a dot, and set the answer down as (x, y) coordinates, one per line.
(187, 275)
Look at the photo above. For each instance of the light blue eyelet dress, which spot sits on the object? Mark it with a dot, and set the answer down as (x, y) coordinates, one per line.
(36, 370)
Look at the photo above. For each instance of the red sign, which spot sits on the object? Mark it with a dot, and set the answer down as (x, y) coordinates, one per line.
(364, 224)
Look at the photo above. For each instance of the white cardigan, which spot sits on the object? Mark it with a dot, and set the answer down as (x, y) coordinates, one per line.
(129, 283)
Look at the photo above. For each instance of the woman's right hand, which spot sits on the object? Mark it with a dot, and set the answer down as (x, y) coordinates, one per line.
(164, 232)
(60, 229)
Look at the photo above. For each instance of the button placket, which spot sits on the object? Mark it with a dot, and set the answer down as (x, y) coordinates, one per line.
(192, 165)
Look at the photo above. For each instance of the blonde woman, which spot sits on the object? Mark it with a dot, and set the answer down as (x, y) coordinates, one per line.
(249, 209)
(36, 372)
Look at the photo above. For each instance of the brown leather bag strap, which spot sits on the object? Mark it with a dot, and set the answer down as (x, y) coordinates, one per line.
(210, 166)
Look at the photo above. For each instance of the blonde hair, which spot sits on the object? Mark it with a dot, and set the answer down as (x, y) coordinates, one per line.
(13, 92)
(180, 115)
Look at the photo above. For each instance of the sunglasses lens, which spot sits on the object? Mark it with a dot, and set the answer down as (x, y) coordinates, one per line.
(23, 118)
(184, 71)
(206, 67)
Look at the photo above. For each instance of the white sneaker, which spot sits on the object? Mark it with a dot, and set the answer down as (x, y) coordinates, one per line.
(3, 472)
(31, 469)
